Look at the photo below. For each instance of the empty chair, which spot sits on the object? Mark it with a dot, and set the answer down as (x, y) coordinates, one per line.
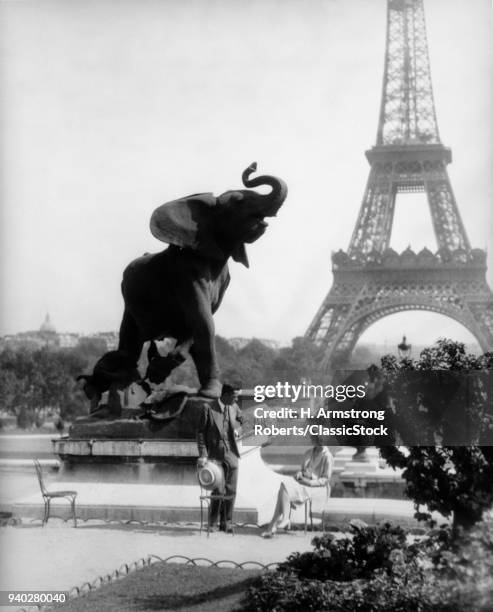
(49, 495)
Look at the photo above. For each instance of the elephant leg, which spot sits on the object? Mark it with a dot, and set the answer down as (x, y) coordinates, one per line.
(130, 338)
(203, 354)
(199, 319)
(114, 402)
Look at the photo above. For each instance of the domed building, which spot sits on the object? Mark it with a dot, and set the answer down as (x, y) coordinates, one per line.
(47, 335)
(48, 332)
(47, 326)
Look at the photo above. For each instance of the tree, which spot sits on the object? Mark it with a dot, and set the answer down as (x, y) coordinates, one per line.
(451, 479)
(302, 360)
(10, 389)
(229, 362)
(254, 364)
(33, 381)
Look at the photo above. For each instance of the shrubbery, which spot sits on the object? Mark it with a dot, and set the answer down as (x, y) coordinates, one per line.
(439, 412)
(456, 389)
(346, 559)
(380, 569)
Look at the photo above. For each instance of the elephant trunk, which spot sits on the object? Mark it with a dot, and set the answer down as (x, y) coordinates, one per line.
(275, 198)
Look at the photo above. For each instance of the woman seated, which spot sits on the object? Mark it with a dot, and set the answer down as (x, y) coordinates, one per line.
(316, 471)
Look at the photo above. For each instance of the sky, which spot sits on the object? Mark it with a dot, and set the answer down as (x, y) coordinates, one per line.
(110, 108)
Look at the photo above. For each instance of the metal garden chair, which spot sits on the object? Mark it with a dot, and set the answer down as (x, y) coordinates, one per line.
(322, 511)
(49, 495)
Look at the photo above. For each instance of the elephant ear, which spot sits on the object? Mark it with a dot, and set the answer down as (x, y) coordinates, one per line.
(239, 254)
(188, 222)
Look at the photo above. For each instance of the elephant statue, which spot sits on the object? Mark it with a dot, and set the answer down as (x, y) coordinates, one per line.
(175, 293)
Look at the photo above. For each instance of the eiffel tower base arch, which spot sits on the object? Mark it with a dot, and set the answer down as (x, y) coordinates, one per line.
(453, 284)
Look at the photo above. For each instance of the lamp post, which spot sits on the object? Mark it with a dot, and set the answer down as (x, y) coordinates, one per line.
(404, 349)
(371, 388)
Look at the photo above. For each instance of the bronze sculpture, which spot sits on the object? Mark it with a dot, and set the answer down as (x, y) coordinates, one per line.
(175, 293)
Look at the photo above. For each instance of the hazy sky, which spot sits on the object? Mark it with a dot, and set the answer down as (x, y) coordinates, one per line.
(110, 108)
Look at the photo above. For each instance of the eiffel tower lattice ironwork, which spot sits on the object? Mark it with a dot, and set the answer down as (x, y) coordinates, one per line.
(371, 280)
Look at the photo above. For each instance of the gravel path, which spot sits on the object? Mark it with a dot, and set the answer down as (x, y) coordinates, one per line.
(58, 556)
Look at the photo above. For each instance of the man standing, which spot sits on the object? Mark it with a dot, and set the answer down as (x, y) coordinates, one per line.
(216, 440)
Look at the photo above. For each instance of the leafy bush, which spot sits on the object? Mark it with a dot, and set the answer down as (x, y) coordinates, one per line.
(348, 558)
(451, 479)
(468, 568)
(409, 590)
(438, 573)
(285, 592)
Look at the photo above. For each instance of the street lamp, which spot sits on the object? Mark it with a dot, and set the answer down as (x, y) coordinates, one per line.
(404, 349)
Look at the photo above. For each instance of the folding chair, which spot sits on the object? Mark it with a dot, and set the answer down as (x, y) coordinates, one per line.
(328, 489)
(207, 500)
(211, 478)
(49, 495)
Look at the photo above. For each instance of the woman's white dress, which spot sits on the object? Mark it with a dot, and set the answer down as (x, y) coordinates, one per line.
(319, 467)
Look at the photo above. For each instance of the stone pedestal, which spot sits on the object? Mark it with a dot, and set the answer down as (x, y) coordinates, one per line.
(133, 469)
(149, 490)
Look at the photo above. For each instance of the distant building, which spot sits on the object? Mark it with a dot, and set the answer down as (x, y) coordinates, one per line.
(111, 339)
(68, 339)
(47, 328)
(47, 335)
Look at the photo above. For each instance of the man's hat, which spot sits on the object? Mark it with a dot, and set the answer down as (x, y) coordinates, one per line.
(227, 388)
(211, 476)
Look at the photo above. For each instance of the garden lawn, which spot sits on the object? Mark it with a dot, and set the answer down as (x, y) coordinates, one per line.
(168, 586)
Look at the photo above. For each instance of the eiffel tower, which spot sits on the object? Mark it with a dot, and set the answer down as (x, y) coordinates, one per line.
(371, 280)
